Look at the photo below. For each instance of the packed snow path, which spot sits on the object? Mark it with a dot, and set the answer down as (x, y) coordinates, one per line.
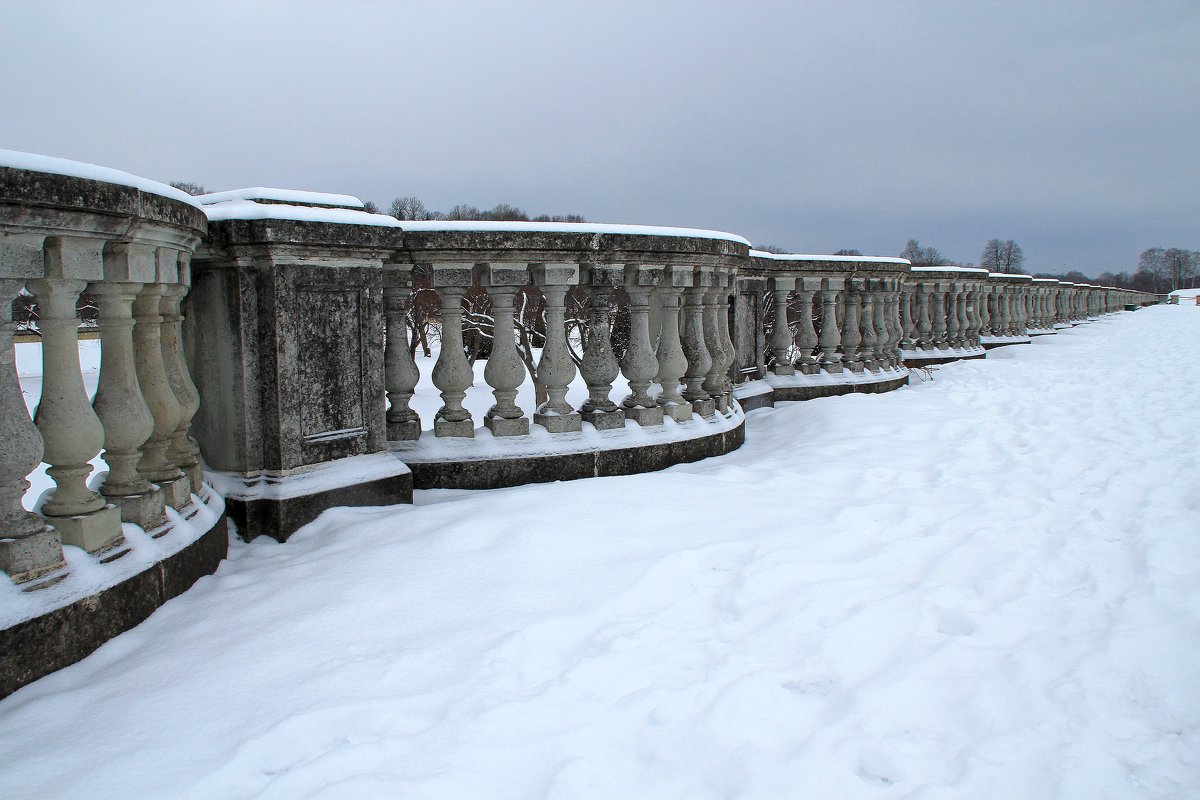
(984, 586)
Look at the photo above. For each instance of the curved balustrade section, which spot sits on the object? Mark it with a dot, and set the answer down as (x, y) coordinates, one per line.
(944, 313)
(67, 229)
(657, 395)
(831, 326)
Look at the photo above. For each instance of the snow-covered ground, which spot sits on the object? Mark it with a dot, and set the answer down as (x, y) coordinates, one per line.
(982, 586)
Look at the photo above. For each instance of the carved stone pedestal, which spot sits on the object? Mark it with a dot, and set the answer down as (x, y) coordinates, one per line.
(143, 510)
(463, 428)
(177, 492)
(606, 420)
(705, 408)
(407, 431)
(499, 426)
(645, 416)
(559, 423)
(93, 532)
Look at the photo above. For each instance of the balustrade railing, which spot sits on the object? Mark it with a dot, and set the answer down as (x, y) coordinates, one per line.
(675, 287)
(281, 392)
(66, 228)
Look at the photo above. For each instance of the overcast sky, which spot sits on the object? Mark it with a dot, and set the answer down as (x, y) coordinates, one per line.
(1070, 127)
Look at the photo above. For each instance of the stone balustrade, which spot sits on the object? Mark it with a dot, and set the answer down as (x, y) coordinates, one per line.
(131, 247)
(944, 314)
(833, 328)
(672, 285)
(256, 357)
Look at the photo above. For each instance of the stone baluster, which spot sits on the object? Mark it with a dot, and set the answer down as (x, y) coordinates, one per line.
(925, 299)
(671, 360)
(119, 404)
(555, 369)
(599, 368)
(182, 451)
(30, 550)
(895, 296)
(953, 339)
(806, 332)
(938, 300)
(726, 288)
(908, 321)
(640, 364)
(781, 332)
(714, 379)
(505, 371)
(883, 330)
(71, 432)
(400, 373)
(964, 321)
(830, 338)
(452, 373)
(155, 465)
(974, 319)
(868, 337)
(851, 333)
(695, 349)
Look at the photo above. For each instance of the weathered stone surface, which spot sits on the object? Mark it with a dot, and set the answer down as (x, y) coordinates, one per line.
(793, 393)
(52, 641)
(280, 518)
(497, 473)
(288, 358)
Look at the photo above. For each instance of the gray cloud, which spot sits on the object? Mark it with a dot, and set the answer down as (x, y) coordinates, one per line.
(1067, 126)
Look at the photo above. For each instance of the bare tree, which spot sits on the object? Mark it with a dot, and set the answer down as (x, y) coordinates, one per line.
(191, 188)
(850, 252)
(462, 211)
(408, 208)
(1002, 256)
(922, 256)
(370, 207)
(770, 248)
(504, 211)
(559, 218)
(1180, 267)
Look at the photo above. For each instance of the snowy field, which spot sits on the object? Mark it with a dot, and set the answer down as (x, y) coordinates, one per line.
(982, 586)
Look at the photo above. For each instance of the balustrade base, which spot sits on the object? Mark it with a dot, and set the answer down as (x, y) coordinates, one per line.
(490, 463)
(29, 560)
(646, 417)
(783, 370)
(59, 637)
(680, 412)
(606, 420)
(803, 387)
(93, 532)
(462, 429)
(929, 358)
(176, 492)
(147, 511)
(705, 408)
(279, 505)
(1042, 332)
(499, 426)
(404, 431)
(559, 423)
(990, 342)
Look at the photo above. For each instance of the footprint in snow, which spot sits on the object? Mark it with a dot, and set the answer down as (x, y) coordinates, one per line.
(876, 768)
(952, 622)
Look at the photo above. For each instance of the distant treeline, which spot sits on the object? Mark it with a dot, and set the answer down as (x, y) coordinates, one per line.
(411, 208)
